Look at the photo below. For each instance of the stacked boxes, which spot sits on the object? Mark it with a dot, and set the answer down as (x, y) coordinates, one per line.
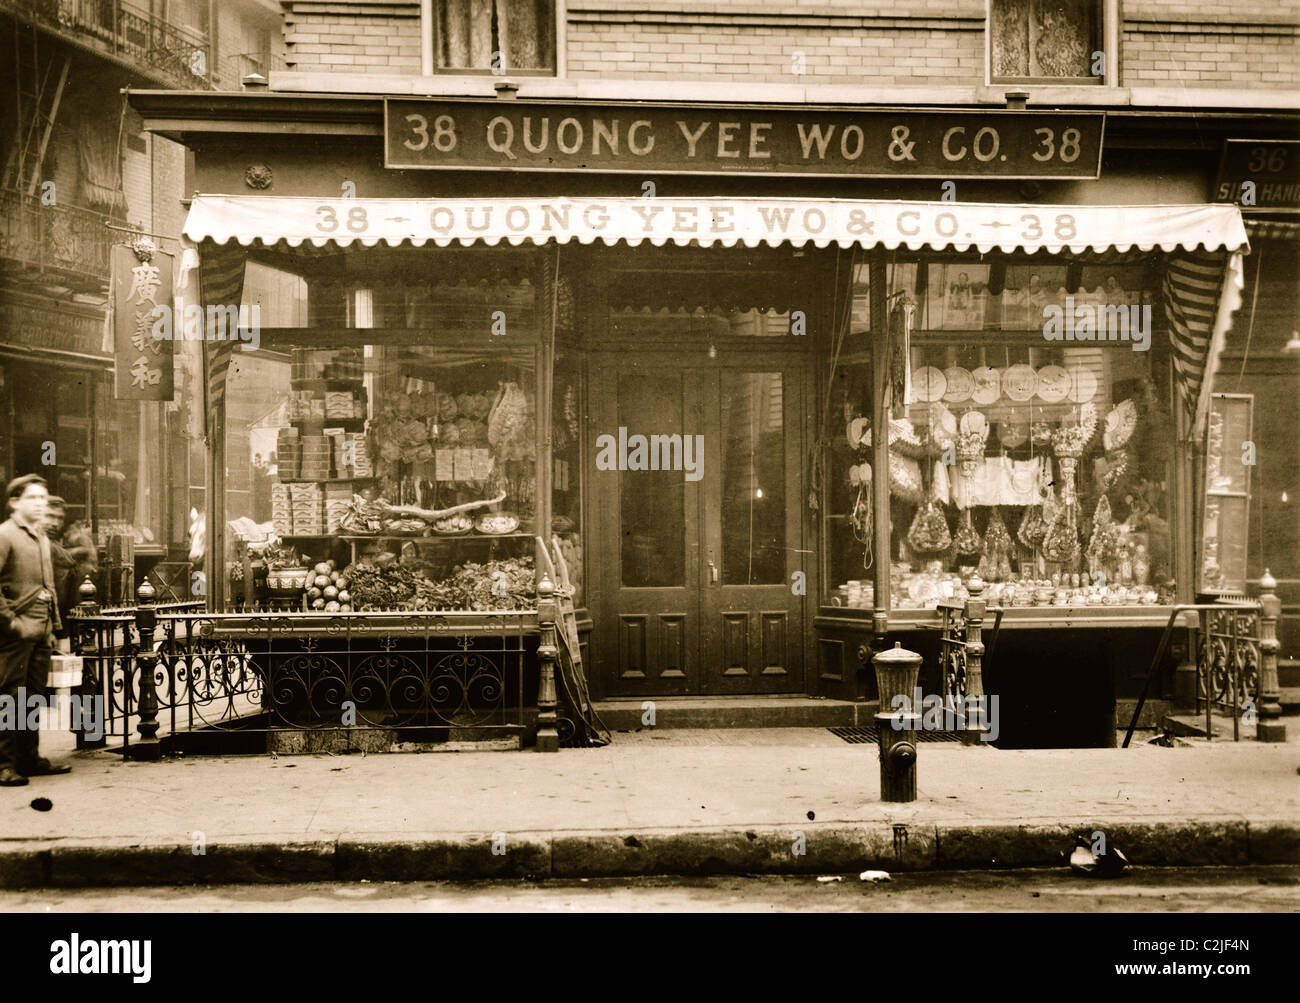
(340, 404)
(360, 456)
(288, 450)
(316, 455)
(281, 510)
(338, 497)
(307, 502)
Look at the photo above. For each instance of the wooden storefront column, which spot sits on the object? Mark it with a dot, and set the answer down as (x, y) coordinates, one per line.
(880, 446)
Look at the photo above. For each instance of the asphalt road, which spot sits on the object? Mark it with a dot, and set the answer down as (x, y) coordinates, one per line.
(1149, 890)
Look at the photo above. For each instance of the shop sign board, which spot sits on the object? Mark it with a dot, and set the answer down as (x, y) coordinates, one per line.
(142, 362)
(48, 329)
(1259, 173)
(681, 139)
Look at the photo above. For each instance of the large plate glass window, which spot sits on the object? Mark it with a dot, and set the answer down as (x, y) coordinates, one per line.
(1029, 442)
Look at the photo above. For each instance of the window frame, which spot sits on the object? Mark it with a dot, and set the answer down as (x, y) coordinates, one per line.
(1107, 32)
(430, 38)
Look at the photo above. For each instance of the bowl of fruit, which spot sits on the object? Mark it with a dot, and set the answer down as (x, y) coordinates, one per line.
(327, 590)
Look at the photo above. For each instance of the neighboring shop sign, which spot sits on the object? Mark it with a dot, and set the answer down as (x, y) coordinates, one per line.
(47, 329)
(666, 139)
(142, 280)
(1225, 512)
(1259, 173)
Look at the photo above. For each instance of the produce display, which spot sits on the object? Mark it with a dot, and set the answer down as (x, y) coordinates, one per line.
(493, 585)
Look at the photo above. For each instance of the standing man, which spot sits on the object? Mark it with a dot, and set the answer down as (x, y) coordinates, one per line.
(64, 563)
(29, 615)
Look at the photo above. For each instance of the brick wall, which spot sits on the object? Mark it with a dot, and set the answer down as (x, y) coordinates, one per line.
(1169, 43)
(1188, 53)
(352, 37)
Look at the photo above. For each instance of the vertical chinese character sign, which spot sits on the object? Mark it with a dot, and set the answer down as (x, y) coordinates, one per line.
(142, 280)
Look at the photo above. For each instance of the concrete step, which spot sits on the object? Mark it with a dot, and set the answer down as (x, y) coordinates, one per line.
(632, 713)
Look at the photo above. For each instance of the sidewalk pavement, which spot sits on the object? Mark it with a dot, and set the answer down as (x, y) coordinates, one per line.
(727, 801)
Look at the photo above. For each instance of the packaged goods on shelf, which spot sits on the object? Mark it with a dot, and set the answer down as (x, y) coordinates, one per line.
(360, 456)
(340, 404)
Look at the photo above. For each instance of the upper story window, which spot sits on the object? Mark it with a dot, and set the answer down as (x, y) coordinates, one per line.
(1055, 41)
(494, 36)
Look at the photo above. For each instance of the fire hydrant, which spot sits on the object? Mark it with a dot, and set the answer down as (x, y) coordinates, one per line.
(897, 721)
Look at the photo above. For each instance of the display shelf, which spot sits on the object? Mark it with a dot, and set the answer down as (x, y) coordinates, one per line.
(408, 536)
(328, 480)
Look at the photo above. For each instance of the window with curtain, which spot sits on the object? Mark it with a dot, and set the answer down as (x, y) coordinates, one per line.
(480, 36)
(1044, 39)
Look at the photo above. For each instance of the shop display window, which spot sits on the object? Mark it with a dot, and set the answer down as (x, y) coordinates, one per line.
(1041, 464)
(396, 476)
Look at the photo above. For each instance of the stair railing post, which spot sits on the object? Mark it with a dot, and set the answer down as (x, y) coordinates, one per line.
(1268, 724)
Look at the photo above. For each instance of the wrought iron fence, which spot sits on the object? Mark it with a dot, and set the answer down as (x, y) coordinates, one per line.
(174, 55)
(54, 236)
(1227, 661)
(1236, 647)
(330, 677)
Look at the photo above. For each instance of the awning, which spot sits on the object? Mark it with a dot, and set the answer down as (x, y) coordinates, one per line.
(727, 222)
(1204, 243)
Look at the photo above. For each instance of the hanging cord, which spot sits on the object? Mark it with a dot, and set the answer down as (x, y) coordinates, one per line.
(1250, 330)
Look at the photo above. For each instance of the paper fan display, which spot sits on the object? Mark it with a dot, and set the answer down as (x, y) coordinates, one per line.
(1053, 384)
(961, 384)
(943, 427)
(1120, 425)
(928, 384)
(988, 385)
(1019, 383)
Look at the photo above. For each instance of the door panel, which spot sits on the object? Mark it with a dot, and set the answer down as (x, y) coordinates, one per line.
(646, 636)
(752, 522)
(694, 574)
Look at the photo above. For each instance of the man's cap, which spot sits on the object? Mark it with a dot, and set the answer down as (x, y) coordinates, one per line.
(20, 484)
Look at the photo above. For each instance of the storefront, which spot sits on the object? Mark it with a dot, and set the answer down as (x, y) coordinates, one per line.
(680, 390)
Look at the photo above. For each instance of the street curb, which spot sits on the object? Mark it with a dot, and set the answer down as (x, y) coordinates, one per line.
(822, 848)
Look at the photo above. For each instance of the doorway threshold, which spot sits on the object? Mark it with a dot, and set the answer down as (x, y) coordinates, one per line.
(757, 711)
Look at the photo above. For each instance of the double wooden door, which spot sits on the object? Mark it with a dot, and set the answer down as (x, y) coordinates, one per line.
(697, 564)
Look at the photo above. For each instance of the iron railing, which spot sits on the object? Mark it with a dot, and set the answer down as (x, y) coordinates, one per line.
(963, 656)
(318, 680)
(1236, 655)
(55, 237)
(174, 56)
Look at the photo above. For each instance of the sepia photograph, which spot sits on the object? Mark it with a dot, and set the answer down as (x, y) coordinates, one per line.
(649, 458)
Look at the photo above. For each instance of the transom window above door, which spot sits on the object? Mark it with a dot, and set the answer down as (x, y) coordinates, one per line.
(494, 36)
